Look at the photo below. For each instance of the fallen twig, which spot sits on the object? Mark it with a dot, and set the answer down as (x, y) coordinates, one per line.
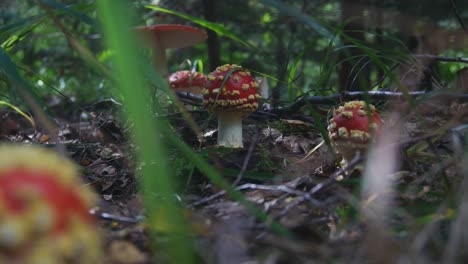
(333, 179)
(345, 96)
(111, 217)
(276, 188)
(442, 58)
(207, 199)
(190, 97)
(337, 98)
(247, 159)
(457, 14)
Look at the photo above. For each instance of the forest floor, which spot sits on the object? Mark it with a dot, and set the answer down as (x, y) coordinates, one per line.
(284, 169)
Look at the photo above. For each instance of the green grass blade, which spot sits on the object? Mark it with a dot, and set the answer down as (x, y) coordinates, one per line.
(216, 178)
(314, 24)
(155, 176)
(25, 90)
(84, 51)
(292, 90)
(19, 111)
(19, 30)
(72, 10)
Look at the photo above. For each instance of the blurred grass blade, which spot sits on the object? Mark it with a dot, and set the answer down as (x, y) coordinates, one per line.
(216, 178)
(24, 89)
(283, 8)
(85, 53)
(9, 29)
(292, 90)
(71, 10)
(19, 111)
(207, 169)
(218, 28)
(155, 176)
(19, 30)
(200, 66)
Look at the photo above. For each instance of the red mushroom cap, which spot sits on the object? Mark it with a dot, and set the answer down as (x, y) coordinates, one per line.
(17, 185)
(44, 209)
(351, 122)
(239, 93)
(172, 35)
(186, 80)
(350, 128)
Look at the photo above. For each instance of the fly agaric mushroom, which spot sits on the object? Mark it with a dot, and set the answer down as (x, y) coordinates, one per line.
(237, 98)
(350, 128)
(166, 36)
(187, 81)
(44, 209)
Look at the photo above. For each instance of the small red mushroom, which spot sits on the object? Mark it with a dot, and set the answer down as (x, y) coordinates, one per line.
(44, 209)
(167, 36)
(187, 81)
(350, 128)
(236, 99)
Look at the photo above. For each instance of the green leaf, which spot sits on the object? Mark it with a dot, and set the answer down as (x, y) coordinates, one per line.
(292, 93)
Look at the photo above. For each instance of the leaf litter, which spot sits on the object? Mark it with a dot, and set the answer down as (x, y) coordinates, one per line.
(287, 175)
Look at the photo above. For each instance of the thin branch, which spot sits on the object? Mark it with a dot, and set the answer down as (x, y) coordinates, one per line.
(460, 20)
(333, 178)
(111, 217)
(329, 99)
(247, 159)
(252, 186)
(345, 96)
(317, 188)
(207, 199)
(190, 97)
(441, 58)
(337, 98)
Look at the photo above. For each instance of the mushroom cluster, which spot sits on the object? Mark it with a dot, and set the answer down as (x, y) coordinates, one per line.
(351, 127)
(230, 93)
(44, 209)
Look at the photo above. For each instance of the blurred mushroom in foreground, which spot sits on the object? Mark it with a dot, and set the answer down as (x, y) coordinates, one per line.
(44, 209)
(351, 127)
(230, 97)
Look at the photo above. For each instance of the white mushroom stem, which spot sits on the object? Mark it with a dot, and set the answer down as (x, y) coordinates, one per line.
(264, 91)
(230, 130)
(159, 57)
